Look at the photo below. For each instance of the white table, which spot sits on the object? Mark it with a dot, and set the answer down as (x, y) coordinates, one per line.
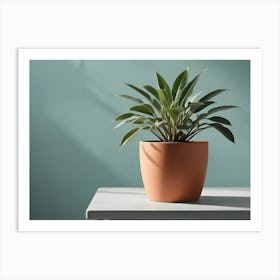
(133, 204)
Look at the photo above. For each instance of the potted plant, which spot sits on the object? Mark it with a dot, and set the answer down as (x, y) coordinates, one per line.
(173, 168)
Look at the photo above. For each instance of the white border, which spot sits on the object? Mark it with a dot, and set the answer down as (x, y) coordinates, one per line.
(24, 57)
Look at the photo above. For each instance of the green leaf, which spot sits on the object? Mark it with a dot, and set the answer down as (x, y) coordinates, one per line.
(187, 91)
(202, 116)
(220, 108)
(194, 97)
(188, 124)
(174, 112)
(199, 118)
(164, 86)
(152, 90)
(178, 82)
(121, 123)
(163, 98)
(155, 123)
(193, 106)
(156, 105)
(224, 130)
(162, 83)
(129, 135)
(206, 104)
(184, 79)
(139, 90)
(144, 108)
(158, 123)
(211, 95)
(136, 119)
(137, 100)
(220, 120)
(123, 116)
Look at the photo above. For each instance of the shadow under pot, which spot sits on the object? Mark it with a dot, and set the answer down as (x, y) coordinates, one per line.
(173, 171)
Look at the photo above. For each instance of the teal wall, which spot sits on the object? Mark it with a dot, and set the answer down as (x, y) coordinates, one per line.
(74, 150)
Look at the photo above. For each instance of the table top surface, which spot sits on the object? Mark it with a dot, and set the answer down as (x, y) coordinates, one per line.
(129, 202)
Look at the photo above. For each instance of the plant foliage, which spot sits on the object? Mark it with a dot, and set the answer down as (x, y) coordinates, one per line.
(173, 113)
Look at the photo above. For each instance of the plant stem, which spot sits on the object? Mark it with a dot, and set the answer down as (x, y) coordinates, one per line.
(197, 130)
(159, 137)
(161, 133)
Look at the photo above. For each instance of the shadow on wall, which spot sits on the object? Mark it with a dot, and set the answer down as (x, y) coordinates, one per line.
(64, 177)
(66, 163)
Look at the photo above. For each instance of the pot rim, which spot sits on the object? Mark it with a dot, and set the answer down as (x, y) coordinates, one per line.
(172, 143)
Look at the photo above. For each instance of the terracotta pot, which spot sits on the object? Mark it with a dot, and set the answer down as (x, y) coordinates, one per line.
(173, 172)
